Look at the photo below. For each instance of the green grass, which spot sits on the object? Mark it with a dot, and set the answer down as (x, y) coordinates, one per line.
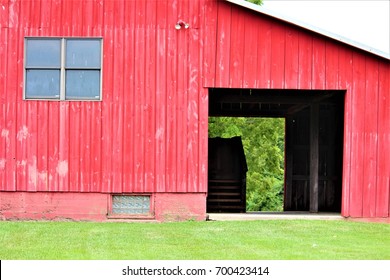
(244, 240)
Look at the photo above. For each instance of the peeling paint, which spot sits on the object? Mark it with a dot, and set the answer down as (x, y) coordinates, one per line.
(42, 176)
(21, 163)
(2, 163)
(159, 133)
(5, 135)
(33, 172)
(62, 168)
(22, 133)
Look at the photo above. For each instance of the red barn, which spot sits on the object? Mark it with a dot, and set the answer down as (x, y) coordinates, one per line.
(104, 108)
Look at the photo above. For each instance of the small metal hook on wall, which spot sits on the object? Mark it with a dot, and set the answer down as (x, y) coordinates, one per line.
(181, 24)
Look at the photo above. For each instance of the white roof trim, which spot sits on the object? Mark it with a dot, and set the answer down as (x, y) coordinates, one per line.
(293, 21)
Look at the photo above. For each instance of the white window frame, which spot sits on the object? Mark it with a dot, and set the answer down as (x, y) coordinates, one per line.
(63, 69)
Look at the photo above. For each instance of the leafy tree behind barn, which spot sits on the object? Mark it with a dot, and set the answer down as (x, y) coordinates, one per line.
(263, 140)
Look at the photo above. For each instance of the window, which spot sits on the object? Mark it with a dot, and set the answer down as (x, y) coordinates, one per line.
(63, 68)
(131, 204)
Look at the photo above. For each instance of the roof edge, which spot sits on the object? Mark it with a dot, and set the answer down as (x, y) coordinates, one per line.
(309, 27)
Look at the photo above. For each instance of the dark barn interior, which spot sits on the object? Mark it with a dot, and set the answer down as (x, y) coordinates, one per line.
(313, 142)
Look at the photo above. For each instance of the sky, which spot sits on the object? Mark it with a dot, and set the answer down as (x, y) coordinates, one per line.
(365, 22)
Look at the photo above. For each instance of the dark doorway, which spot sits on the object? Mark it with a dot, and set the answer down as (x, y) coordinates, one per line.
(313, 139)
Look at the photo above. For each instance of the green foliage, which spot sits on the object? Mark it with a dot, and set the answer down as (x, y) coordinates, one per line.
(263, 140)
(258, 2)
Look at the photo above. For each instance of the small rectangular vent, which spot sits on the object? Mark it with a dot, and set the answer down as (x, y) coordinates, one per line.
(131, 204)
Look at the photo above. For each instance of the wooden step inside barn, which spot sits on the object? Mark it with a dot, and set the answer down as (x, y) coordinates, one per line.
(226, 176)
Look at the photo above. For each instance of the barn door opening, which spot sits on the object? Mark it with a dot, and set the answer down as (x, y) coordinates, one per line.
(313, 144)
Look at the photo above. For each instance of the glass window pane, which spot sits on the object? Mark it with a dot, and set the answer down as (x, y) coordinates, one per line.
(82, 84)
(83, 53)
(42, 84)
(43, 53)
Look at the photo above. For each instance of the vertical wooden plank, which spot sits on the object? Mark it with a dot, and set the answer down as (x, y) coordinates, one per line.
(194, 83)
(345, 83)
(129, 69)
(370, 157)
(117, 98)
(67, 17)
(85, 147)
(75, 115)
(77, 18)
(203, 138)
(22, 120)
(150, 95)
(46, 8)
(96, 148)
(383, 166)
(318, 63)
(223, 51)
(161, 96)
(305, 54)
(172, 68)
(291, 60)
(53, 110)
(277, 55)
(21, 148)
(34, 17)
(31, 145)
(202, 101)
(5, 140)
(108, 99)
(62, 166)
(314, 156)
(181, 99)
(357, 144)
(74, 144)
(55, 24)
(288, 177)
(263, 57)
(250, 50)
(53, 145)
(4, 13)
(332, 65)
(98, 18)
(88, 18)
(43, 111)
(31, 107)
(209, 35)
(237, 45)
(139, 101)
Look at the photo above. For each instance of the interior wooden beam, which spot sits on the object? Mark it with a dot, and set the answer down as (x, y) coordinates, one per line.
(314, 156)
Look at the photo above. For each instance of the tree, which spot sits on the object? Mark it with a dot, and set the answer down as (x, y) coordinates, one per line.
(263, 141)
(258, 2)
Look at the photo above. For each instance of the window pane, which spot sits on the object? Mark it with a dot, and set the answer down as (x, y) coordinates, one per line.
(82, 84)
(83, 53)
(42, 83)
(43, 53)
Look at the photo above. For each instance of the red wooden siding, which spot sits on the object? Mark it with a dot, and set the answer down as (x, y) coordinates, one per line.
(149, 132)
(289, 57)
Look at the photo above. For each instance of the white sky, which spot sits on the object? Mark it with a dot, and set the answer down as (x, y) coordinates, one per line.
(365, 22)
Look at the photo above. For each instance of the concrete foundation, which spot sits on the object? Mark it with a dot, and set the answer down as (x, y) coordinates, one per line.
(96, 206)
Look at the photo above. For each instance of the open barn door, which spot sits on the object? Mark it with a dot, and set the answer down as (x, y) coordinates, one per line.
(314, 150)
(313, 140)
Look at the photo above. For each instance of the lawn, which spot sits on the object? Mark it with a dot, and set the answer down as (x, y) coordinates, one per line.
(233, 240)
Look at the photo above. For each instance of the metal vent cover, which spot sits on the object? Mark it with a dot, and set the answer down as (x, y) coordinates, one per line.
(131, 204)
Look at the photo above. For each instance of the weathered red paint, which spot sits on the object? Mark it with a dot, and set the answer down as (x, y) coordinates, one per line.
(53, 206)
(96, 206)
(149, 132)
